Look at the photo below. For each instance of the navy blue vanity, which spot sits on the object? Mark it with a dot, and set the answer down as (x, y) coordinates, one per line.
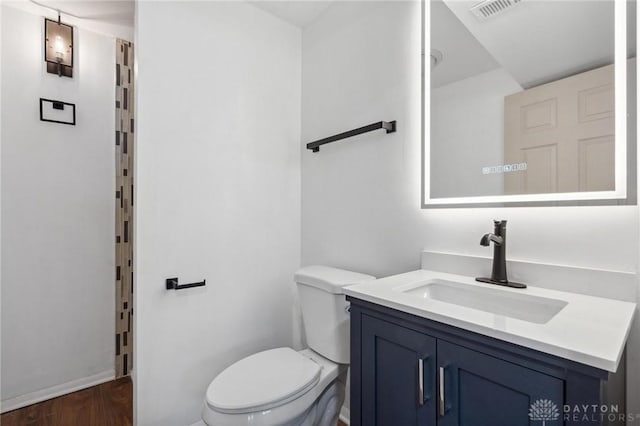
(410, 370)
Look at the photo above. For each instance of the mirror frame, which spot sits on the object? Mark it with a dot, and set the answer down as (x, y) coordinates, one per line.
(626, 130)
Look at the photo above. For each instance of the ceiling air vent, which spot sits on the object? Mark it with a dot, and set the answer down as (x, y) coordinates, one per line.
(490, 8)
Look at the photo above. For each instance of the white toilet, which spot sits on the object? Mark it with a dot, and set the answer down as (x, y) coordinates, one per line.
(286, 387)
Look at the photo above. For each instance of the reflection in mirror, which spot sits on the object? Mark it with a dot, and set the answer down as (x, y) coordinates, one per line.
(523, 100)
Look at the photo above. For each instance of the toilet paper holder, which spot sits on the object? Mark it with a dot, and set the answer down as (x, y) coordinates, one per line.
(172, 284)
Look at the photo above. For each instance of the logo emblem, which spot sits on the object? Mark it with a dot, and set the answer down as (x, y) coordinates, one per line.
(544, 410)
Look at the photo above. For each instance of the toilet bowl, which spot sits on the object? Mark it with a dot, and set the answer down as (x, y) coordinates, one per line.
(307, 395)
(285, 387)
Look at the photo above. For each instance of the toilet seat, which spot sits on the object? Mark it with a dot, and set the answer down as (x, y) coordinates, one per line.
(263, 381)
(304, 408)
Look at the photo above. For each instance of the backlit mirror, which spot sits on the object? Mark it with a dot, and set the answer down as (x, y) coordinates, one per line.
(529, 102)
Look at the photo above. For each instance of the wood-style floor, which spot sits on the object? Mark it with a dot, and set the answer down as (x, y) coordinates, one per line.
(108, 404)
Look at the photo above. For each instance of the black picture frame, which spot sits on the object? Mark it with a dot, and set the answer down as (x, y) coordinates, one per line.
(57, 105)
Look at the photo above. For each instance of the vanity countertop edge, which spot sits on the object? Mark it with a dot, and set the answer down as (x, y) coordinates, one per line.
(589, 330)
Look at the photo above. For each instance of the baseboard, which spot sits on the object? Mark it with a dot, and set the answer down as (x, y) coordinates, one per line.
(55, 391)
(345, 415)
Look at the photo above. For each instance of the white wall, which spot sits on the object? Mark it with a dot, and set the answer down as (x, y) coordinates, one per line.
(218, 196)
(1, 49)
(467, 123)
(58, 186)
(361, 197)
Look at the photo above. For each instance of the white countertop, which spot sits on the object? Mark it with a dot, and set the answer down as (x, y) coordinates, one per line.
(589, 330)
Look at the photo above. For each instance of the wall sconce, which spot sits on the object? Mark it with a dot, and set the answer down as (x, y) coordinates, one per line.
(58, 47)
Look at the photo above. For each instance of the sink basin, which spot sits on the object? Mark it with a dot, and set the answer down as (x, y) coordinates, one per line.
(510, 304)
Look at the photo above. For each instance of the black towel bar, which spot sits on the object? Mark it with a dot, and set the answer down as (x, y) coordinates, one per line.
(389, 126)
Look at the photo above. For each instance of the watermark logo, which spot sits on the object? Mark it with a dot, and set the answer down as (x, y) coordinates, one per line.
(544, 410)
(597, 414)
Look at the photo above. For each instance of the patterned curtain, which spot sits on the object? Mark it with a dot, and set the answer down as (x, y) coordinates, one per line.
(124, 207)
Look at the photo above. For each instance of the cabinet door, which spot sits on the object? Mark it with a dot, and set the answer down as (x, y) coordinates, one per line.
(475, 389)
(398, 375)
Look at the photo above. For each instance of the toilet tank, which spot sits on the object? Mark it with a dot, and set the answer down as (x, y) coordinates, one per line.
(325, 311)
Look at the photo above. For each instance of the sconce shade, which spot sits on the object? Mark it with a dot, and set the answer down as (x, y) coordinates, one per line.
(58, 47)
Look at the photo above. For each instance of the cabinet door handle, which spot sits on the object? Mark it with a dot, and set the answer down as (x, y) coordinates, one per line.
(423, 394)
(441, 402)
(420, 382)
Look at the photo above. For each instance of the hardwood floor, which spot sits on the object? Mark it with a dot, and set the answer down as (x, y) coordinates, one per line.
(108, 404)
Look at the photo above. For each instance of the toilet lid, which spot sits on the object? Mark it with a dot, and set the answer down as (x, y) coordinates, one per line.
(262, 381)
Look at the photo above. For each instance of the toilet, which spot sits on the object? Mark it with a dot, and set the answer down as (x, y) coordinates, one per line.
(282, 386)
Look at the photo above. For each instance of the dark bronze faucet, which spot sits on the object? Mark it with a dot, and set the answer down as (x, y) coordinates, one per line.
(499, 270)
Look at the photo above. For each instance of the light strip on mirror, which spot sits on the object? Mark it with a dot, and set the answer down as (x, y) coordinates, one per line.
(426, 103)
(620, 192)
(620, 82)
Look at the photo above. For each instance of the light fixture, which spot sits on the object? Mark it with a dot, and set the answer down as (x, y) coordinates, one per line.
(58, 47)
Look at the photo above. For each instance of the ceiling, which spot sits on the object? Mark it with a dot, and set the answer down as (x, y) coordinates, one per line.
(115, 12)
(121, 12)
(462, 55)
(299, 12)
(538, 41)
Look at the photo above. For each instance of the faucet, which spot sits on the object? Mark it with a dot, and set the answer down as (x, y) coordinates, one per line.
(499, 270)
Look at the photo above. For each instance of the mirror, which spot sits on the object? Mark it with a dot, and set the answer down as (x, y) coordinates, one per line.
(529, 102)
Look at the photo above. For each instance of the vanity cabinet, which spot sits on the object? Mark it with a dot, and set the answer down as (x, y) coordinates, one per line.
(398, 375)
(408, 370)
(478, 389)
